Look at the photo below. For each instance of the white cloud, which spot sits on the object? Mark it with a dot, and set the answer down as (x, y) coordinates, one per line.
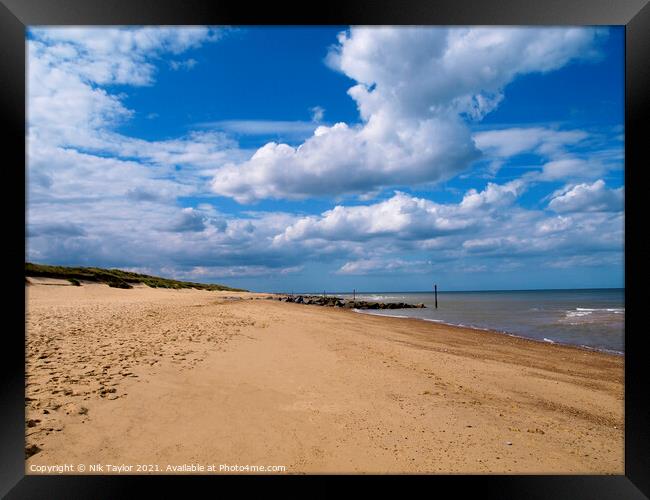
(571, 168)
(403, 217)
(341, 159)
(485, 223)
(200, 150)
(185, 65)
(494, 195)
(384, 266)
(414, 86)
(553, 225)
(67, 67)
(218, 272)
(121, 54)
(68, 221)
(568, 154)
(98, 197)
(414, 71)
(73, 151)
(585, 197)
(513, 141)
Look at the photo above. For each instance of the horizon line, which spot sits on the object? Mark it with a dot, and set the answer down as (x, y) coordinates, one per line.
(453, 291)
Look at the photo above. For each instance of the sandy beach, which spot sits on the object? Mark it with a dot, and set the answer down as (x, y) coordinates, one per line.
(162, 378)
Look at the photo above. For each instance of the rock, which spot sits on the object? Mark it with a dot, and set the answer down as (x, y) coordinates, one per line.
(348, 304)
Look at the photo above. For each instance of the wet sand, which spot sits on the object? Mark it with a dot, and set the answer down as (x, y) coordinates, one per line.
(172, 378)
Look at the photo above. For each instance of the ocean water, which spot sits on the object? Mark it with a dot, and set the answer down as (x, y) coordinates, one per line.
(588, 318)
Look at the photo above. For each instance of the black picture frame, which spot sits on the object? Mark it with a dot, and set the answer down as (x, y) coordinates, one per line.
(15, 15)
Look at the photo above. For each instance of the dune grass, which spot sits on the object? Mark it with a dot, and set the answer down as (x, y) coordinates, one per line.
(115, 278)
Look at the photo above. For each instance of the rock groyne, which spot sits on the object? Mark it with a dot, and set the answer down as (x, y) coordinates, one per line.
(331, 301)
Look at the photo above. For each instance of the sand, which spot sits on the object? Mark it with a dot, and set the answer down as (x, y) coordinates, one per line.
(169, 381)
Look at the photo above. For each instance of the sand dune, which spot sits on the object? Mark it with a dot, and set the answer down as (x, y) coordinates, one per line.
(175, 377)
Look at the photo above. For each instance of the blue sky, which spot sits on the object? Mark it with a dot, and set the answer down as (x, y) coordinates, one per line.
(312, 158)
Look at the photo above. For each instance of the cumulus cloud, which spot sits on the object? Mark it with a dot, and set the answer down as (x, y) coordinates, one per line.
(535, 235)
(585, 197)
(484, 224)
(188, 220)
(415, 88)
(68, 68)
(402, 216)
(74, 153)
(494, 195)
(98, 197)
(403, 220)
(338, 159)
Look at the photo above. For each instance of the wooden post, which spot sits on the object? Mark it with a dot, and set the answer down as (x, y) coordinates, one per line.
(354, 295)
(435, 294)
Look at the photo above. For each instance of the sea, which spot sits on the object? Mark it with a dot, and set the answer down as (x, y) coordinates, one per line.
(593, 318)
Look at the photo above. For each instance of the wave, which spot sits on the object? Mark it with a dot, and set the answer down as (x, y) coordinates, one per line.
(363, 311)
(577, 314)
(380, 298)
(617, 310)
(586, 312)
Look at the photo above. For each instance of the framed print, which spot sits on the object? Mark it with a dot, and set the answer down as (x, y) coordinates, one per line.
(361, 240)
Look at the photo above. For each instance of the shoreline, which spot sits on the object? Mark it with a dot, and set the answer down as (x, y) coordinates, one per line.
(380, 303)
(186, 376)
(496, 332)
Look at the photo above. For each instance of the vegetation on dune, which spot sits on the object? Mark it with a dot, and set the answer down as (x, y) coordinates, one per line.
(114, 277)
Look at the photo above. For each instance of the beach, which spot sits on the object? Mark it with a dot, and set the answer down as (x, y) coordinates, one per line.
(157, 378)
